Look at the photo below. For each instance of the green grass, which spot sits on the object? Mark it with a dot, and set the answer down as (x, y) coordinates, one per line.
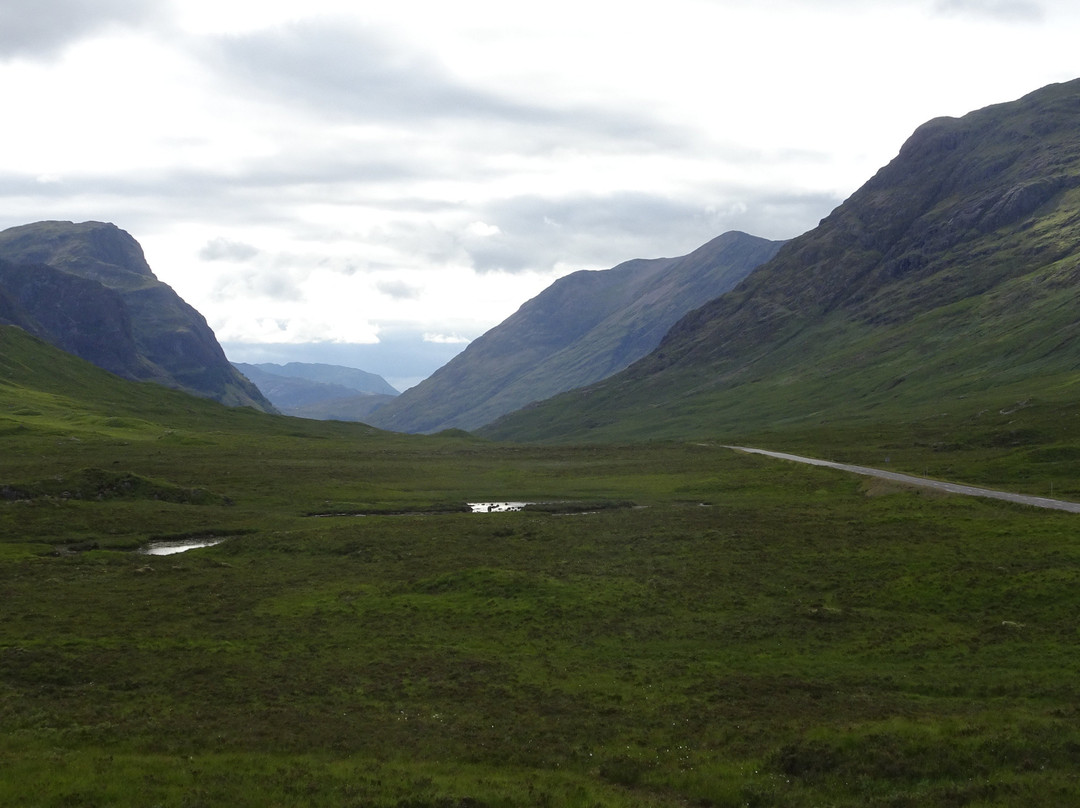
(752, 632)
(794, 642)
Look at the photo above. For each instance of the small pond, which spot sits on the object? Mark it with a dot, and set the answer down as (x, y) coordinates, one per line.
(496, 507)
(161, 548)
(490, 506)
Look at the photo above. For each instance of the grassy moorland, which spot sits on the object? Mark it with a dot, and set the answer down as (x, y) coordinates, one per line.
(752, 633)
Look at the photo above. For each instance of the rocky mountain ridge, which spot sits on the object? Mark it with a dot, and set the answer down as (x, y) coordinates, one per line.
(582, 328)
(953, 270)
(87, 289)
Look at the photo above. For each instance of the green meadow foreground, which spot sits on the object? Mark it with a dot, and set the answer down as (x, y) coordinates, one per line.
(683, 626)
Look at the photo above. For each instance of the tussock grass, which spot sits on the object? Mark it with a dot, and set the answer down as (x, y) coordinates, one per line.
(757, 633)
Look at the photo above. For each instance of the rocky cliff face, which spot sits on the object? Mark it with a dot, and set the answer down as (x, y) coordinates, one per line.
(75, 314)
(951, 217)
(582, 328)
(87, 289)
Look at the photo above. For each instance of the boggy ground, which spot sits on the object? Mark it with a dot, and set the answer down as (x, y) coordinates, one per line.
(758, 633)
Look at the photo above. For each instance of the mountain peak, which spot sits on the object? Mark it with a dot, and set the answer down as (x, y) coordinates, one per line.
(98, 250)
(87, 289)
(584, 327)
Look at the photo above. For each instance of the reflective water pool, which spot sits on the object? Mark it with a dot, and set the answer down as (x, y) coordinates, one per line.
(496, 507)
(171, 547)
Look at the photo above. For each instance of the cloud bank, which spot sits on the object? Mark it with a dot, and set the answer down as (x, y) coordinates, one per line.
(406, 175)
(1005, 10)
(41, 29)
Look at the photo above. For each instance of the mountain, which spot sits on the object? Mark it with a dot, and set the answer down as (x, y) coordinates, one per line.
(946, 284)
(356, 407)
(322, 392)
(582, 328)
(87, 289)
(352, 379)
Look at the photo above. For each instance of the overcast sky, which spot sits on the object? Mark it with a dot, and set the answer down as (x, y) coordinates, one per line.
(375, 184)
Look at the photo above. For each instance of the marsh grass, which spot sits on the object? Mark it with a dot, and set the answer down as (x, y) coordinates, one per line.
(792, 642)
(753, 633)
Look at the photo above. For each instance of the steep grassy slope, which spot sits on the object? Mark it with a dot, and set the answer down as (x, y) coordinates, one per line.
(946, 284)
(87, 289)
(584, 327)
(62, 417)
(46, 391)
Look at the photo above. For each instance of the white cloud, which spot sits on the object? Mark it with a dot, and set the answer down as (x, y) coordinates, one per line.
(398, 289)
(1004, 10)
(292, 331)
(223, 249)
(41, 29)
(483, 229)
(261, 284)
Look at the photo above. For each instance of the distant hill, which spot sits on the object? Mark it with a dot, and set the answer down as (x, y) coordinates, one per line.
(356, 407)
(582, 328)
(352, 379)
(947, 284)
(324, 392)
(87, 289)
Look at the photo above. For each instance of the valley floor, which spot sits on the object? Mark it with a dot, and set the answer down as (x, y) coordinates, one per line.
(759, 633)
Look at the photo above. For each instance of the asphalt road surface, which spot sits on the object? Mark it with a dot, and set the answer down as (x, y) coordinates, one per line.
(907, 479)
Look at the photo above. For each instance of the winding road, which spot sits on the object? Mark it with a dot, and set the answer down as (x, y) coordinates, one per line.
(908, 479)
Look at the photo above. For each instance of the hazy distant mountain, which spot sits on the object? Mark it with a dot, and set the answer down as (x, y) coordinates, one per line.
(356, 407)
(358, 381)
(324, 392)
(87, 289)
(582, 328)
(951, 276)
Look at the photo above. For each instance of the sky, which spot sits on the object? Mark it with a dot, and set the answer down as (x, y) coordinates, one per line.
(377, 184)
